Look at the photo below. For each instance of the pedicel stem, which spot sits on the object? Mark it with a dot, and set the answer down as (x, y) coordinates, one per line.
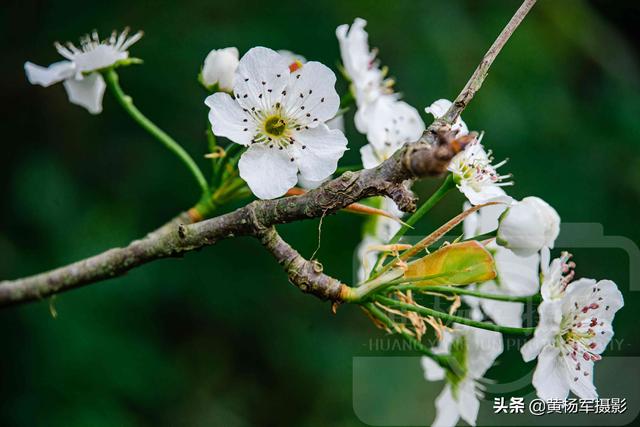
(389, 302)
(111, 78)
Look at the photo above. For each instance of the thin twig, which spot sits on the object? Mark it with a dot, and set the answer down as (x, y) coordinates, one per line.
(476, 80)
(304, 274)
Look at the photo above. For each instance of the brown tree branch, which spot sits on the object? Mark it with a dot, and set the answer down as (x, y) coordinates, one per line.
(176, 238)
(304, 274)
(427, 157)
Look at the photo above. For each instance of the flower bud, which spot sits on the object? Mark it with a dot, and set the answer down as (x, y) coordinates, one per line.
(528, 226)
(219, 68)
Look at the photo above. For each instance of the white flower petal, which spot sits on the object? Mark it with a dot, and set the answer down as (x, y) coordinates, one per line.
(322, 150)
(46, 76)
(438, 108)
(485, 194)
(378, 109)
(87, 92)
(369, 113)
(474, 305)
(394, 123)
(446, 409)
(581, 383)
(309, 184)
(269, 172)
(354, 48)
(548, 326)
(504, 313)
(229, 120)
(432, 371)
(585, 292)
(311, 95)
(483, 347)
(550, 377)
(611, 294)
(471, 224)
(602, 338)
(468, 403)
(259, 65)
(552, 275)
(369, 156)
(528, 226)
(483, 221)
(98, 57)
(579, 291)
(517, 275)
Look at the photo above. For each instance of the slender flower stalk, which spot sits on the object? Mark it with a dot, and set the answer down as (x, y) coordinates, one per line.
(389, 302)
(462, 291)
(111, 78)
(212, 143)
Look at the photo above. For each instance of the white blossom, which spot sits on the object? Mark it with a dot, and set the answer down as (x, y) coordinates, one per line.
(516, 275)
(280, 116)
(473, 172)
(360, 64)
(476, 177)
(372, 90)
(574, 328)
(528, 226)
(475, 351)
(78, 72)
(309, 184)
(220, 67)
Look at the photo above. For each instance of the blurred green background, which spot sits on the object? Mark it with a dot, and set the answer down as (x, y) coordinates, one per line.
(220, 338)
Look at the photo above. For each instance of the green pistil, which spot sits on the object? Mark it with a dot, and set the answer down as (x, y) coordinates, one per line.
(275, 126)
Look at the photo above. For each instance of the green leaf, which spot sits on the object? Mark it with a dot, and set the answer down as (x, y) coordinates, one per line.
(456, 264)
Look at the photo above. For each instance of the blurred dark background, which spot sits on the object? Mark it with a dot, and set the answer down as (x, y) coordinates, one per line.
(220, 337)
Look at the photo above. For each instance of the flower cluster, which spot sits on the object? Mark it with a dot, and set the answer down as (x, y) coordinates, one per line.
(386, 120)
(282, 115)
